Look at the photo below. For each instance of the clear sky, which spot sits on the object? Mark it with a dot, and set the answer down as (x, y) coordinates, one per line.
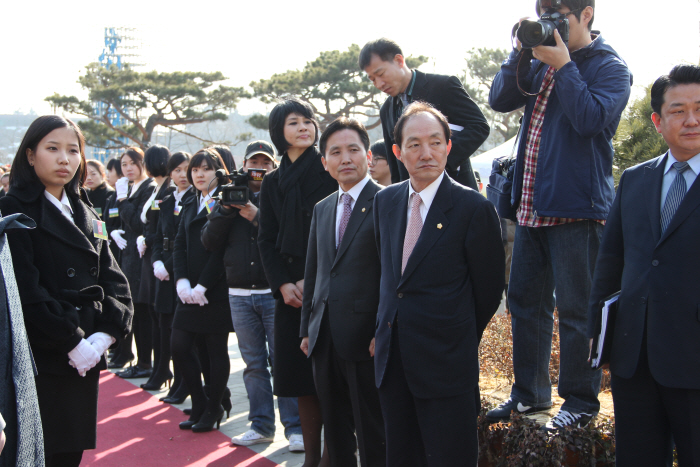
(46, 45)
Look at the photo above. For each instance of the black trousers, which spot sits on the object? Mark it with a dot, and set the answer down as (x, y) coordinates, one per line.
(650, 418)
(142, 326)
(349, 404)
(64, 459)
(425, 432)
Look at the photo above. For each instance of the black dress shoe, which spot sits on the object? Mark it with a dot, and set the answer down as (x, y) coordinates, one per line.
(116, 364)
(135, 372)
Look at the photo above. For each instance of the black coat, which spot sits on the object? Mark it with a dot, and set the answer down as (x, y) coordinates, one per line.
(147, 291)
(166, 230)
(281, 269)
(99, 197)
(658, 275)
(343, 284)
(62, 271)
(447, 94)
(113, 223)
(130, 216)
(239, 237)
(191, 261)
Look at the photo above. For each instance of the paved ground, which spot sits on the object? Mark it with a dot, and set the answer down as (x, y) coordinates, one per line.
(238, 422)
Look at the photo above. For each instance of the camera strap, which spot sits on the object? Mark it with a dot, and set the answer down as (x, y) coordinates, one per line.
(527, 52)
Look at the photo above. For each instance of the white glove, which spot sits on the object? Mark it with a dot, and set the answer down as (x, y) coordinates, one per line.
(83, 357)
(122, 187)
(141, 245)
(184, 290)
(160, 272)
(198, 295)
(118, 239)
(101, 341)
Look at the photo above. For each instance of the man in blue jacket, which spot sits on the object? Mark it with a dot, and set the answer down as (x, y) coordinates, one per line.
(563, 188)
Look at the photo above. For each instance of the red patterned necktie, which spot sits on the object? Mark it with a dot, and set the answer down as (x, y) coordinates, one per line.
(415, 225)
(347, 199)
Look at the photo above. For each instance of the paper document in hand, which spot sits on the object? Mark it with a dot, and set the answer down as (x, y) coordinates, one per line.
(605, 335)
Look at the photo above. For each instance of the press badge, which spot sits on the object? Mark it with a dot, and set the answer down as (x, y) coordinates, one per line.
(99, 229)
(210, 205)
(155, 205)
(114, 212)
(177, 209)
(98, 211)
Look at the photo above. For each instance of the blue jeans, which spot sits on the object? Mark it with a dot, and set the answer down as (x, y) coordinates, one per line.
(546, 259)
(253, 320)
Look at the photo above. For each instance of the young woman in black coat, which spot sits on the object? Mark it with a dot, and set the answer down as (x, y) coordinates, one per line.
(130, 202)
(156, 163)
(287, 199)
(162, 267)
(75, 299)
(202, 308)
(100, 192)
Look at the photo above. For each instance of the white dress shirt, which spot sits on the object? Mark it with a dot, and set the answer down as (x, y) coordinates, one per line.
(354, 193)
(136, 186)
(427, 196)
(63, 205)
(669, 174)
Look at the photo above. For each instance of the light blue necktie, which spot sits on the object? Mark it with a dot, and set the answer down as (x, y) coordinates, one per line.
(675, 195)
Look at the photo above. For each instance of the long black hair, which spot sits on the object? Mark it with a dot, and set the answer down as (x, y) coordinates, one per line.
(23, 174)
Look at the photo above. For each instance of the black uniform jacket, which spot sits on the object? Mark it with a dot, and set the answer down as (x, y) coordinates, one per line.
(163, 244)
(447, 94)
(190, 259)
(68, 281)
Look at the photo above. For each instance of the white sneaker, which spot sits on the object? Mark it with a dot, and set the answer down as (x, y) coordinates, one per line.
(251, 437)
(296, 443)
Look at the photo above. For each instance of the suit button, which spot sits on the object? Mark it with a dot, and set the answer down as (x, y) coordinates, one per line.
(253, 286)
(70, 272)
(655, 262)
(400, 295)
(333, 274)
(644, 300)
(325, 300)
(389, 324)
(290, 259)
(252, 263)
(252, 238)
(93, 272)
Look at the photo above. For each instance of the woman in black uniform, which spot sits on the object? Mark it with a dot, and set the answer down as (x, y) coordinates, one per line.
(75, 299)
(100, 192)
(202, 308)
(287, 199)
(162, 258)
(130, 202)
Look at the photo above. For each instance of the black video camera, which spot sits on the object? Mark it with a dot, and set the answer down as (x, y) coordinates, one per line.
(541, 32)
(236, 192)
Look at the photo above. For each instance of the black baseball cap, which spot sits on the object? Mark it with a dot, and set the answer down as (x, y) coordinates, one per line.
(260, 147)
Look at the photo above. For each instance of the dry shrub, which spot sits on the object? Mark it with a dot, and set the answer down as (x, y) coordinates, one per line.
(496, 352)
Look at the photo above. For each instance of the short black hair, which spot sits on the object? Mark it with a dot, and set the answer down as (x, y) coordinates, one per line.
(23, 174)
(156, 160)
(384, 48)
(680, 74)
(416, 108)
(177, 159)
(290, 105)
(379, 149)
(343, 123)
(136, 155)
(208, 155)
(576, 7)
(116, 165)
(226, 156)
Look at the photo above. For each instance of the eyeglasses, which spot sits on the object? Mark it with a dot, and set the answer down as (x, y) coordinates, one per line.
(375, 160)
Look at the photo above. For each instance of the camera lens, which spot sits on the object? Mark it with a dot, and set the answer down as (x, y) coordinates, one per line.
(534, 33)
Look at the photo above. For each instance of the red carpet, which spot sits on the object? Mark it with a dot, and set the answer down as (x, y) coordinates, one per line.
(136, 429)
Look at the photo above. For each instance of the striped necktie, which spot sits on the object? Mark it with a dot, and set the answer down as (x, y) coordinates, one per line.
(675, 195)
(415, 225)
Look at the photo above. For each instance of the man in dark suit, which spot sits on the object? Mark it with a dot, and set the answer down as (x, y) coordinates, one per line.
(650, 252)
(385, 65)
(341, 295)
(443, 269)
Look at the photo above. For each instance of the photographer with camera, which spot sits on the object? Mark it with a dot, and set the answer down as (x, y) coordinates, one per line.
(574, 90)
(235, 226)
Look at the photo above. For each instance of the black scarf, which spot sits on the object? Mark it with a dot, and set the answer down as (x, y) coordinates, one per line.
(290, 238)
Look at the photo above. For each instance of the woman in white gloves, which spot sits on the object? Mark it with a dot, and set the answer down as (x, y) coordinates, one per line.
(75, 299)
(202, 308)
(130, 202)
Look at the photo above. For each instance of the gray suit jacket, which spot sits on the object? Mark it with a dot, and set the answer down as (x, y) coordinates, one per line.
(343, 284)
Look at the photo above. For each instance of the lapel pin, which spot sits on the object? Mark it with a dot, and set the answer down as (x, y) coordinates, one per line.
(439, 226)
(363, 209)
